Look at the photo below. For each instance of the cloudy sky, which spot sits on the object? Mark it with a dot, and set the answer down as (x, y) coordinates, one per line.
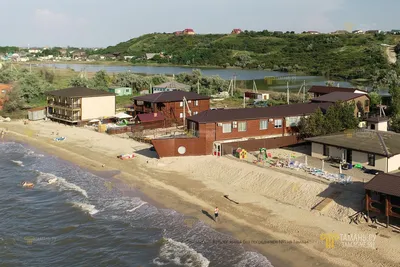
(99, 23)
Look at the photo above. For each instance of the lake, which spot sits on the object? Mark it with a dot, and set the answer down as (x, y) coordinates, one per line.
(244, 77)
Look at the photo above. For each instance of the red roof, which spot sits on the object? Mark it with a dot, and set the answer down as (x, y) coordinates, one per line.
(150, 117)
(189, 30)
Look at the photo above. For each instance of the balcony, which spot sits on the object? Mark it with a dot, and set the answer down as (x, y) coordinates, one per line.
(64, 105)
(64, 117)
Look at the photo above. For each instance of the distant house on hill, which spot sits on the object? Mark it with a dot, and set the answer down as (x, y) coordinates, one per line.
(236, 31)
(178, 33)
(395, 32)
(170, 86)
(372, 31)
(357, 32)
(313, 32)
(79, 55)
(34, 51)
(189, 32)
(150, 55)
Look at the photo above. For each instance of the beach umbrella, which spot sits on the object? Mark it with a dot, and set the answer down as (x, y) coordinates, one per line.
(323, 163)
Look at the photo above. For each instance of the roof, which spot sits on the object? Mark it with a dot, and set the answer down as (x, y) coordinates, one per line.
(220, 115)
(330, 89)
(377, 119)
(189, 30)
(37, 109)
(173, 85)
(385, 183)
(376, 142)
(171, 96)
(337, 96)
(150, 117)
(79, 92)
(4, 86)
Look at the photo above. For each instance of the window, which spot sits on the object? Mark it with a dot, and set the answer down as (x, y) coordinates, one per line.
(371, 159)
(196, 103)
(181, 104)
(278, 123)
(226, 128)
(181, 115)
(127, 90)
(195, 113)
(263, 124)
(242, 127)
(326, 151)
(367, 103)
(292, 121)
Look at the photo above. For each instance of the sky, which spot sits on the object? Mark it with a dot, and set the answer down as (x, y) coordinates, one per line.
(101, 23)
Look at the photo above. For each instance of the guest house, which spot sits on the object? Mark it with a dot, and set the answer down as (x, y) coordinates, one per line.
(316, 91)
(173, 105)
(220, 131)
(77, 105)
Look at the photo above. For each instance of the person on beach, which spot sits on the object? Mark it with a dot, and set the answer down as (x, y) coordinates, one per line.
(216, 210)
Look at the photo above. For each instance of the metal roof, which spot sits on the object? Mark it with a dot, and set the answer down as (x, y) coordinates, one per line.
(337, 96)
(171, 96)
(173, 85)
(330, 89)
(385, 183)
(79, 92)
(220, 115)
(375, 142)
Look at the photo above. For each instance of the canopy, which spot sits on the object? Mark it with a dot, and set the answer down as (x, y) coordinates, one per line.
(123, 115)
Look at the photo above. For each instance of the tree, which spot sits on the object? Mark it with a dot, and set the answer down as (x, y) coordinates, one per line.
(14, 100)
(79, 82)
(101, 80)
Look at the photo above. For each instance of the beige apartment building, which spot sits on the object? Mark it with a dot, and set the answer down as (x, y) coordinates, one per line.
(77, 105)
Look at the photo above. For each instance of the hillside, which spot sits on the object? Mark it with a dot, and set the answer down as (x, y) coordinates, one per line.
(348, 56)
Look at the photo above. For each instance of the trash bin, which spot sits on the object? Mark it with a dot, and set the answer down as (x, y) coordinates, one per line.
(350, 166)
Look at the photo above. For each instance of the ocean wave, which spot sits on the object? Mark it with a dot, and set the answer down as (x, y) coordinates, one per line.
(91, 209)
(138, 206)
(253, 259)
(64, 184)
(18, 162)
(174, 252)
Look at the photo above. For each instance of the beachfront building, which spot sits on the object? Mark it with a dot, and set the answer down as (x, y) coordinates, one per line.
(361, 101)
(221, 131)
(170, 86)
(316, 90)
(378, 150)
(77, 105)
(382, 194)
(173, 105)
(120, 91)
(35, 114)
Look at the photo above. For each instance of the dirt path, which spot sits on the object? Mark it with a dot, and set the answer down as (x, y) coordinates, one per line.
(392, 56)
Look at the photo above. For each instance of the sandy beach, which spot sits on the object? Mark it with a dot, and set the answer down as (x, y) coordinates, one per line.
(273, 205)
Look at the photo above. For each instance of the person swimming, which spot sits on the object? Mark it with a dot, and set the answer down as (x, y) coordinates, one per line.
(27, 184)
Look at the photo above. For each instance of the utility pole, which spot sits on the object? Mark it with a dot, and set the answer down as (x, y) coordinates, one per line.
(198, 86)
(244, 100)
(234, 82)
(255, 87)
(287, 92)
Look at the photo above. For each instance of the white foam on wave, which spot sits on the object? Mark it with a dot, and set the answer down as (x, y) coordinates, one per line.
(91, 209)
(64, 184)
(174, 252)
(138, 206)
(18, 162)
(253, 259)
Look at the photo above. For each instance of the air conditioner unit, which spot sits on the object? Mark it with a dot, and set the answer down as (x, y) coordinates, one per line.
(219, 124)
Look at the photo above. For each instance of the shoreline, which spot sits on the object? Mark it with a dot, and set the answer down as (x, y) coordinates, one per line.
(256, 217)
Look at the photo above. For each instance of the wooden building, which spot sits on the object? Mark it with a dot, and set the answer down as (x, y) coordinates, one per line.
(361, 101)
(77, 105)
(35, 114)
(316, 90)
(212, 130)
(382, 196)
(174, 105)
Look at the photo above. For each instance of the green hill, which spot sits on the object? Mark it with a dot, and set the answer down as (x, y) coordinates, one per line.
(348, 56)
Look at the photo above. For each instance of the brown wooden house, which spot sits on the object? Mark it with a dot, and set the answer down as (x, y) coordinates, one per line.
(171, 104)
(249, 128)
(316, 90)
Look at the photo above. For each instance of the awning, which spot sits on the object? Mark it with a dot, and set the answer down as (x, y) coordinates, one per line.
(95, 120)
(123, 115)
(150, 117)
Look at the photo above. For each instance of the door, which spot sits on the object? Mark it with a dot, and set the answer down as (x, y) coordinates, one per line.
(349, 156)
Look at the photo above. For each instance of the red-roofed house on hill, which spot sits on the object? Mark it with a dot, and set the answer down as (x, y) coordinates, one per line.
(219, 131)
(4, 90)
(188, 32)
(171, 104)
(178, 33)
(236, 31)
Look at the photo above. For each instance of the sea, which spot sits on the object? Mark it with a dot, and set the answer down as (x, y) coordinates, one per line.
(72, 218)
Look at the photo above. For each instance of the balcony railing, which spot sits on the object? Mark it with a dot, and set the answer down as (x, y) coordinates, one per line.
(144, 109)
(64, 105)
(65, 117)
